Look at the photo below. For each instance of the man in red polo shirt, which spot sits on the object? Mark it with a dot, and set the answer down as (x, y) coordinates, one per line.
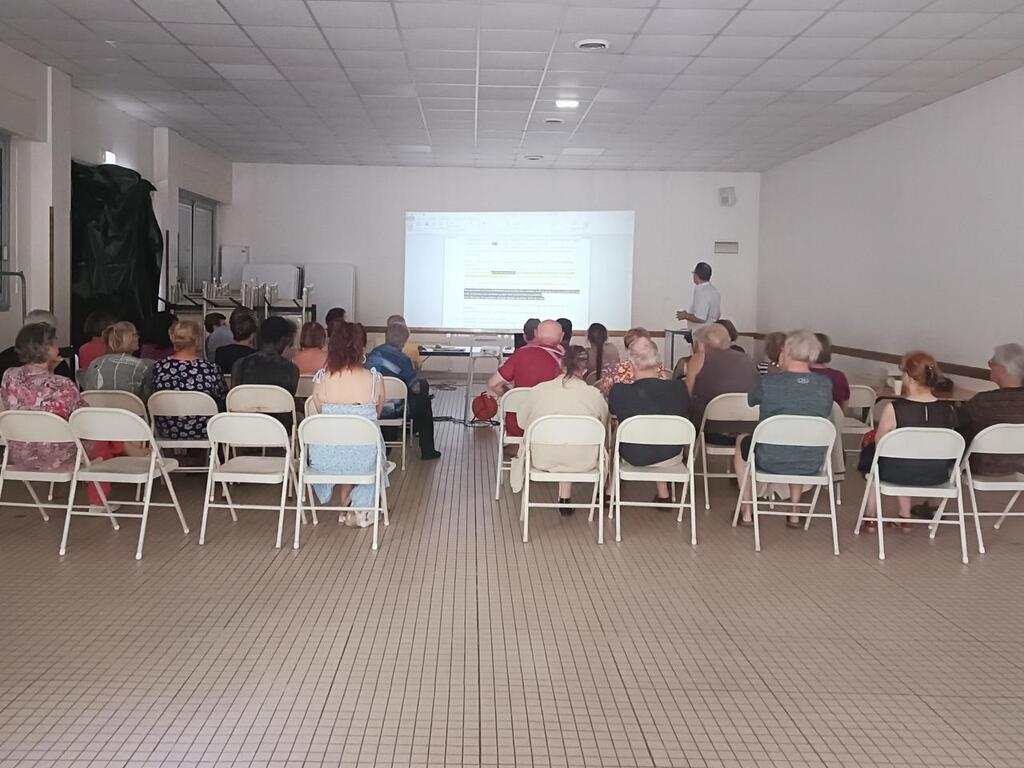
(540, 360)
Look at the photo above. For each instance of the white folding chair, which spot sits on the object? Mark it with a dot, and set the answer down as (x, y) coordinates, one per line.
(115, 424)
(579, 431)
(655, 430)
(262, 398)
(794, 432)
(247, 430)
(730, 407)
(38, 427)
(395, 389)
(917, 443)
(115, 398)
(862, 401)
(509, 403)
(305, 388)
(350, 430)
(170, 404)
(999, 439)
(838, 456)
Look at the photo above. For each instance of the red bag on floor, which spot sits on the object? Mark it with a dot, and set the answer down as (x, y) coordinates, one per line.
(485, 407)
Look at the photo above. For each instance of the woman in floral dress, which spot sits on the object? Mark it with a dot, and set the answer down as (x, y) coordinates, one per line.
(183, 371)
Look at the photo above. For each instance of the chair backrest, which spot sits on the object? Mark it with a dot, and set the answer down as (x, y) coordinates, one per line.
(394, 389)
(651, 429)
(732, 406)
(34, 427)
(861, 396)
(338, 429)
(259, 398)
(921, 443)
(797, 431)
(310, 407)
(838, 452)
(305, 388)
(248, 430)
(116, 424)
(592, 378)
(115, 398)
(171, 403)
(565, 430)
(512, 401)
(999, 438)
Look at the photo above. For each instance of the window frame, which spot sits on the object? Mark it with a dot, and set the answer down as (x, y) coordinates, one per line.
(5, 220)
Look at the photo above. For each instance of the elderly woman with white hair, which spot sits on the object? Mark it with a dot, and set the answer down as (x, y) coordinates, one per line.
(998, 406)
(389, 359)
(795, 391)
(649, 394)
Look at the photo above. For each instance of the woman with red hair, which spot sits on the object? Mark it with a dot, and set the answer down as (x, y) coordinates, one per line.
(345, 386)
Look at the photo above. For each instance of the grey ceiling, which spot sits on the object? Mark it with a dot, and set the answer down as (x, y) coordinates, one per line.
(687, 84)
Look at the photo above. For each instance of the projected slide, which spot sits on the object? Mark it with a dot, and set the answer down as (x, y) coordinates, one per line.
(495, 270)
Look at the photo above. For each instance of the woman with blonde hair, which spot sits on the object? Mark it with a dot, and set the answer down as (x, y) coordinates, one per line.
(119, 368)
(184, 371)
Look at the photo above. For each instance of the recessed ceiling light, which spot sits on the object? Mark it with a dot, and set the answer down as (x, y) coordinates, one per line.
(554, 121)
(567, 103)
(592, 44)
(534, 157)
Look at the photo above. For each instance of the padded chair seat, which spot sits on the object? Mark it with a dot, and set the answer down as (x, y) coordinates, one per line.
(996, 482)
(252, 469)
(123, 469)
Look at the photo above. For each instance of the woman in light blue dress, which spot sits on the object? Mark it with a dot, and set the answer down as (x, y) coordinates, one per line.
(344, 386)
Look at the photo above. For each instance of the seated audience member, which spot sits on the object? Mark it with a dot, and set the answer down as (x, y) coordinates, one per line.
(649, 394)
(268, 365)
(566, 324)
(156, 340)
(772, 349)
(528, 334)
(218, 333)
(312, 354)
(716, 369)
(9, 357)
(184, 371)
(734, 335)
(388, 359)
(118, 368)
(840, 386)
(346, 386)
(566, 395)
(95, 324)
(34, 386)
(999, 406)
(540, 360)
(917, 407)
(243, 331)
(333, 314)
(410, 349)
(622, 372)
(794, 391)
(601, 352)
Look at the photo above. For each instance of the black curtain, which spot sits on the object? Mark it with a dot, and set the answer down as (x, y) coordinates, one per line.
(116, 246)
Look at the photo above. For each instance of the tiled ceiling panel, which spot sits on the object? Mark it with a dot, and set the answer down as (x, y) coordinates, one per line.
(684, 85)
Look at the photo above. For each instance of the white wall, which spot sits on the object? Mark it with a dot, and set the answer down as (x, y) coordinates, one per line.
(301, 213)
(909, 235)
(97, 126)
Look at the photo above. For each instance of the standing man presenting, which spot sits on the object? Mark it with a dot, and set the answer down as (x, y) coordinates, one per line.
(705, 308)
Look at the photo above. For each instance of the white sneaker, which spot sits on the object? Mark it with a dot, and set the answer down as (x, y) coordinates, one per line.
(98, 510)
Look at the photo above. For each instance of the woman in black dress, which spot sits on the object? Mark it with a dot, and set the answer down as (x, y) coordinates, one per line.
(917, 408)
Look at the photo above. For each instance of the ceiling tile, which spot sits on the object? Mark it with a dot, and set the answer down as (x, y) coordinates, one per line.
(520, 15)
(882, 5)
(687, 22)
(1009, 25)
(249, 71)
(743, 47)
(940, 25)
(229, 54)
(96, 10)
(288, 13)
(54, 30)
(30, 9)
(516, 40)
(604, 20)
(835, 83)
(440, 39)
(131, 31)
(208, 34)
(287, 37)
(181, 69)
(794, 67)
(896, 48)
(722, 66)
(792, 5)
(977, 6)
(436, 15)
(822, 47)
(770, 23)
(865, 68)
(855, 24)
(193, 11)
(157, 52)
(669, 45)
(299, 73)
(971, 48)
(331, 13)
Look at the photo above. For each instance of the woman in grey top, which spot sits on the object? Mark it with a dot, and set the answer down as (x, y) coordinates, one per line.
(795, 391)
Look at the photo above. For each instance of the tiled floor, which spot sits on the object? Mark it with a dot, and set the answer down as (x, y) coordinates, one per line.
(456, 644)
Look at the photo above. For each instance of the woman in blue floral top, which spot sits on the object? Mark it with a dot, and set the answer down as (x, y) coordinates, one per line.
(183, 371)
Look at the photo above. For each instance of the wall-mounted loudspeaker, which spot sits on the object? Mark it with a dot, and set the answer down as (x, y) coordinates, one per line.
(727, 196)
